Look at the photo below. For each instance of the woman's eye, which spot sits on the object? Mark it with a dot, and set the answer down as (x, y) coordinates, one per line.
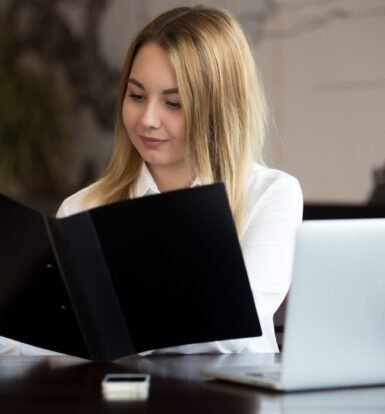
(174, 105)
(136, 97)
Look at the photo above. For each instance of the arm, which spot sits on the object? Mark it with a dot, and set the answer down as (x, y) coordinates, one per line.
(274, 213)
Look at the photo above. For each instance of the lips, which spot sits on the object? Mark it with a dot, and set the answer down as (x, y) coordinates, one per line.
(152, 142)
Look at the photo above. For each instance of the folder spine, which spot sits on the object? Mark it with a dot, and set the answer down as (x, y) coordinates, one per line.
(90, 288)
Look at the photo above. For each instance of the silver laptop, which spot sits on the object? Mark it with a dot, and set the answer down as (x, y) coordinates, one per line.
(335, 319)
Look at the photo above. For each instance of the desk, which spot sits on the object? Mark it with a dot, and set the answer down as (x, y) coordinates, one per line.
(69, 385)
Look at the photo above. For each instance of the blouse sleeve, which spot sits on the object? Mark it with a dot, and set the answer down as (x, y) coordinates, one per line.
(268, 242)
(75, 203)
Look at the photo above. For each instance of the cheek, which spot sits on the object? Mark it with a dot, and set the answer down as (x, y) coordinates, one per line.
(128, 116)
(125, 114)
(179, 128)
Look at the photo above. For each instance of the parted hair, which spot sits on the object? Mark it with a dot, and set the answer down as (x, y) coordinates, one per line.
(221, 98)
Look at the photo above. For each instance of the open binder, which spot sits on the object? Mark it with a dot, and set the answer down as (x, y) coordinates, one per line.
(136, 275)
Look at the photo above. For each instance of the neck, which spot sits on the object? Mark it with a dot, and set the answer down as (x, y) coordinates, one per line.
(170, 178)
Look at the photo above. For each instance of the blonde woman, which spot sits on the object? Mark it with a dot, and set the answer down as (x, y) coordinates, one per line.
(191, 111)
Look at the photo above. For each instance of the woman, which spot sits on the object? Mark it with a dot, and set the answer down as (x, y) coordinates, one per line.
(191, 111)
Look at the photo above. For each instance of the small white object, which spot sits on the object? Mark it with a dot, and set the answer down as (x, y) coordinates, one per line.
(126, 386)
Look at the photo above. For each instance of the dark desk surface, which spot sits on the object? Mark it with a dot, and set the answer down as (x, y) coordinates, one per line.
(68, 385)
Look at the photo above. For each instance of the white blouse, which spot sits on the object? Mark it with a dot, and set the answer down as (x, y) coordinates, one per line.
(273, 213)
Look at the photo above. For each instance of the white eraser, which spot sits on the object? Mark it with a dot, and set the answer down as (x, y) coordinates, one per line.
(126, 386)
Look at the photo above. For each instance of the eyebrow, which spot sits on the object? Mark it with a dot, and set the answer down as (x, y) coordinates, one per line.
(141, 86)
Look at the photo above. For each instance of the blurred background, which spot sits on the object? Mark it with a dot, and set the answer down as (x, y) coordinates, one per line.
(322, 63)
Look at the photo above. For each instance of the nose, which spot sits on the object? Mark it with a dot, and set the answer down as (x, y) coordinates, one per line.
(151, 116)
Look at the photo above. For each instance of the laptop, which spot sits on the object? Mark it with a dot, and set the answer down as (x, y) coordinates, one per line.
(335, 318)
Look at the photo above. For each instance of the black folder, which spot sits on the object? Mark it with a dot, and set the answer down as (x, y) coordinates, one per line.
(136, 275)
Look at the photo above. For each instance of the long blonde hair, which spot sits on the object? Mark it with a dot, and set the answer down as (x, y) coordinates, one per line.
(222, 102)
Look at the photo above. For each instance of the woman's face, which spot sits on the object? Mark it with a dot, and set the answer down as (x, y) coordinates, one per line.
(151, 110)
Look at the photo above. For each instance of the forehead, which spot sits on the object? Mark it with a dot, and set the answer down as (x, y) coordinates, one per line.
(152, 66)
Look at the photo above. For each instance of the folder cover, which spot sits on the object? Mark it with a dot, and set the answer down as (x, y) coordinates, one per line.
(136, 275)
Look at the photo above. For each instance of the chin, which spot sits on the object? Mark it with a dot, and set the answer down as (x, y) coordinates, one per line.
(151, 160)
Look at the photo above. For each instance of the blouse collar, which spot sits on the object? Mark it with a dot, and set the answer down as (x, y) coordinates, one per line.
(146, 184)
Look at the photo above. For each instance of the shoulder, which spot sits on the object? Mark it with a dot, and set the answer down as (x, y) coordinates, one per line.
(263, 180)
(270, 191)
(75, 202)
(274, 198)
